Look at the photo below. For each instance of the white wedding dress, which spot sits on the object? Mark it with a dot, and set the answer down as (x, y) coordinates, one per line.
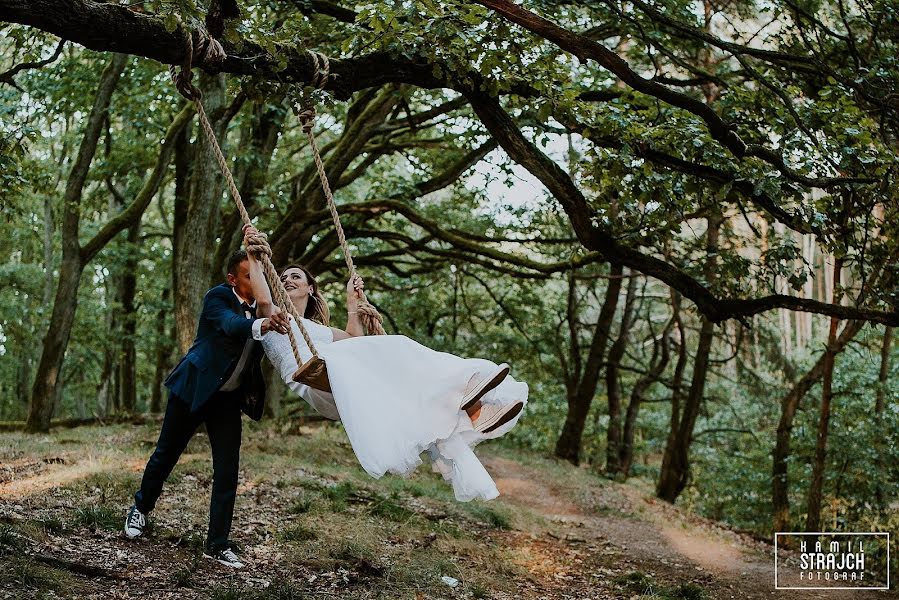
(397, 399)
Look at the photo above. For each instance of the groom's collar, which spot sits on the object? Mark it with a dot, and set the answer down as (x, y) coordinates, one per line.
(241, 300)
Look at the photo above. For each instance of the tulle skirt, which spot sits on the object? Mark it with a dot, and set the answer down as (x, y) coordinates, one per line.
(398, 398)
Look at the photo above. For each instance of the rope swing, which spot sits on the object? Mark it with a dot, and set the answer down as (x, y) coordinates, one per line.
(314, 372)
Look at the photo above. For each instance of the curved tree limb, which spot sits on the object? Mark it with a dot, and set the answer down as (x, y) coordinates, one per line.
(721, 131)
(108, 27)
(595, 237)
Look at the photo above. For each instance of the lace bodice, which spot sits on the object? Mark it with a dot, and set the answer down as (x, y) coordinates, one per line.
(277, 348)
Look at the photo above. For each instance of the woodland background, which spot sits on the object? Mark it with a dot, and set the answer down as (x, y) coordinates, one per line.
(675, 220)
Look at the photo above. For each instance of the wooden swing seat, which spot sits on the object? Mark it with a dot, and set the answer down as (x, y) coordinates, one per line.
(313, 373)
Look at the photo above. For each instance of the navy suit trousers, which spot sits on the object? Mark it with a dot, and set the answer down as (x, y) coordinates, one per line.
(222, 417)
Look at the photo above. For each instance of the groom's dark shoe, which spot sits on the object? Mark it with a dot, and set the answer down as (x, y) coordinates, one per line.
(225, 556)
(135, 523)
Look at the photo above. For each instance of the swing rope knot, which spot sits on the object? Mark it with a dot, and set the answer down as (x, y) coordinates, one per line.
(321, 74)
(259, 246)
(306, 116)
(206, 51)
(369, 315)
(321, 70)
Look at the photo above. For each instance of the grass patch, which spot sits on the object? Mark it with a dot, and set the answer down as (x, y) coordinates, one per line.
(686, 591)
(9, 540)
(113, 487)
(300, 506)
(349, 551)
(283, 590)
(425, 568)
(229, 592)
(639, 583)
(635, 582)
(191, 540)
(31, 575)
(99, 517)
(447, 528)
(357, 557)
(339, 494)
(53, 525)
(390, 508)
(297, 533)
(495, 517)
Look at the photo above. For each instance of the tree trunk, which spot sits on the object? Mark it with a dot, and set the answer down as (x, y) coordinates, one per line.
(193, 268)
(580, 396)
(184, 158)
(291, 237)
(816, 488)
(274, 391)
(657, 367)
(128, 373)
(677, 385)
(676, 462)
(161, 354)
(676, 471)
(108, 398)
(879, 406)
(44, 391)
(613, 382)
(789, 405)
(75, 256)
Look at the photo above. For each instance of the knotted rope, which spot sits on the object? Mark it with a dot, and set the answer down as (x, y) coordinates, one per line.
(368, 314)
(213, 52)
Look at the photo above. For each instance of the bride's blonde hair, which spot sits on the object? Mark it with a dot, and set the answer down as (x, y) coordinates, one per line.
(316, 307)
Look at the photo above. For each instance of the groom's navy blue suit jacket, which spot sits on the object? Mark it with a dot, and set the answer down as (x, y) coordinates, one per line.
(221, 334)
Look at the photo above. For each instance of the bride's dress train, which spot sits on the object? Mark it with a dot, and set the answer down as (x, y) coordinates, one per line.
(398, 398)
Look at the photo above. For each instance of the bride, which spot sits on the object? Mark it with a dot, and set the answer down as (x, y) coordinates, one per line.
(395, 397)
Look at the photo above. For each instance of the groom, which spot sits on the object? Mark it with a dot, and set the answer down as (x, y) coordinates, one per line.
(219, 377)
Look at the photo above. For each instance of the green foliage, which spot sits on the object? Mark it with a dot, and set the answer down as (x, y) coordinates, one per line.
(30, 576)
(339, 494)
(53, 525)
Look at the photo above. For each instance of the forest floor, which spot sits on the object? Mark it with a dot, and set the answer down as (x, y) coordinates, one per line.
(312, 524)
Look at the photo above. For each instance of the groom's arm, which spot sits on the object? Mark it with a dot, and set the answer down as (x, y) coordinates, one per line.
(219, 312)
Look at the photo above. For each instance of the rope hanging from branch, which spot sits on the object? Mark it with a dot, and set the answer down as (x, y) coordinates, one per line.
(305, 111)
(211, 51)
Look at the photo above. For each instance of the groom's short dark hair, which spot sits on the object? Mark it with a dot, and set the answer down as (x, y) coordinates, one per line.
(234, 260)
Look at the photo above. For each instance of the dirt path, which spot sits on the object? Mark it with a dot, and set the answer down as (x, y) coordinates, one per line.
(653, 538)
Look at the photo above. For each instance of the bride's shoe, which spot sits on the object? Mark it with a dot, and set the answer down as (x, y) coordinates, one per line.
(476, 389)
(493, 417)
